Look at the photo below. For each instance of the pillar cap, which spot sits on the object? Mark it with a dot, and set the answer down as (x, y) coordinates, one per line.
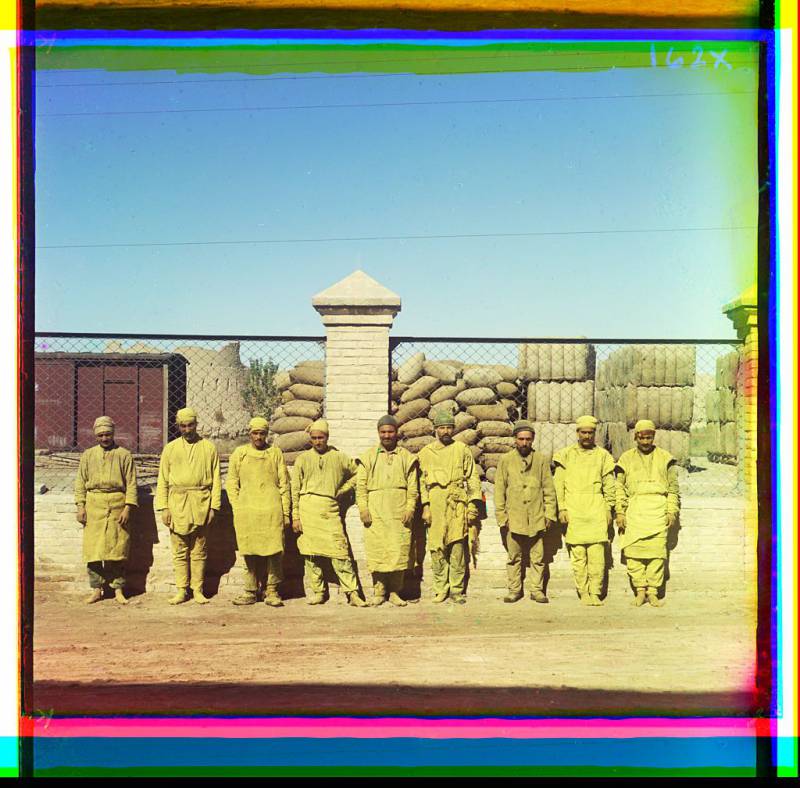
(748, 299)
(357, 300)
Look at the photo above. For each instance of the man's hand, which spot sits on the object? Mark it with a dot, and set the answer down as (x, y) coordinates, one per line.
(80, 515)
(124, 515)
(297, 526)
(211, 515)
(548, 524)
(366, 517)
(426, 514)
(620, 522)
(563, 517)
(672, 518)
(407, 518)
(609, 519)
(166, 517)
(473, 517)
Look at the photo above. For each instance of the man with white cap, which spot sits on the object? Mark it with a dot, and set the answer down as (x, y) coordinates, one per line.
(648, 504)
(525, 504)
(105, 491)
(258, 489)
(450, 490)
(188, 495)
(585, 489)
(323, 477)
(387, 491)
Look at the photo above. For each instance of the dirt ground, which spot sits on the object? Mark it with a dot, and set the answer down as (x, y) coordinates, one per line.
(694, 656)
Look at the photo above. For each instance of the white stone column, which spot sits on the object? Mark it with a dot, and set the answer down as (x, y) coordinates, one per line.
(357, 313)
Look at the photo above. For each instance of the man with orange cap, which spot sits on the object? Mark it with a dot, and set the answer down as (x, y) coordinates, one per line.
(188, 495)
(105, 491)
(648, 504)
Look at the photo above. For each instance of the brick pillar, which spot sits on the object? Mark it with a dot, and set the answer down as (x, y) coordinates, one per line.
(743, 312)
(357, 313)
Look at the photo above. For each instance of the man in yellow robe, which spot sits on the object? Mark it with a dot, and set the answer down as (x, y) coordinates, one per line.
(323, 477)
(450, 490)
(648, 504)
(258, 489)
(188, 495)
(105, 491)
(387, 491)
(585, 489)
(525, 505)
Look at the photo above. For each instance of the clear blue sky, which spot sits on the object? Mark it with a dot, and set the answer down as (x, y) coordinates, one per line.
(607, 155)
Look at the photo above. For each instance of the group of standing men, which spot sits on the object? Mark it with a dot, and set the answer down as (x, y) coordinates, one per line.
(391, 486)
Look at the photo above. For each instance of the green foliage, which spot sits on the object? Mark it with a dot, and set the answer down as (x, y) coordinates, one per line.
(260, 393)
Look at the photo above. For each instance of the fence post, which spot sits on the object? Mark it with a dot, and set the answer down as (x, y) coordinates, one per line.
(357, 313)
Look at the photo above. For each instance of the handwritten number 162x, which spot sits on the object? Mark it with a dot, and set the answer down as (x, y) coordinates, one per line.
(677, 62)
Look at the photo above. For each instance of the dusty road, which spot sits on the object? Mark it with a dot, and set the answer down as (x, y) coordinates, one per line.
(694, 656)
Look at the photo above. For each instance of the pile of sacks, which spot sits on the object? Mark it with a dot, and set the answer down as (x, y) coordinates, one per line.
(722, 437)
(302, 393)
(483, 399)
(560, 389)
(653, 382)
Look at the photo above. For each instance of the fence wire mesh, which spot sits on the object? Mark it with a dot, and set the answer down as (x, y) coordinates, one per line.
(142, 382)
(690, 390)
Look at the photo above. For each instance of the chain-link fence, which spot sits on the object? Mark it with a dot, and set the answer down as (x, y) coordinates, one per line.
(141, 382)
(688, 389)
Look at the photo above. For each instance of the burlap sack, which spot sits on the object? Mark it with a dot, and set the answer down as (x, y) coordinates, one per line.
(464, 421)
(282, 380)
(437, 369)
(278, 413)
(412, 410)
(411, 369)
(415, 444)
(312, 376)
(557, 361)
(303, 407)
(469, 437)
(420, 389)
(476, 396)
(488, 412)
(491, 473)
(490, 460)
(510, 390)
(479, 376)
(304, 391)
(495, 429)
(287, 396)
(727, 370)
(398, 389)
(494, 445)
(416, 428)
(476, 452)
(289, 457)
(289, 424)
(292, 441)
(444, 393)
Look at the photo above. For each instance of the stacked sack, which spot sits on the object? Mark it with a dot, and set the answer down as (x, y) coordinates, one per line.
(721, 433)
(559, 390)
(302, 393)
(653, 382)
(482, 397)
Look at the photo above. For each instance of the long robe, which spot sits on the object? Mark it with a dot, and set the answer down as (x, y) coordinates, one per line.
(320, 480)
(189, 483)
(387, 485)
(258, 489)
(585, 488)
(524, 494)
(105, 484)
(647, 491)
(449, 483)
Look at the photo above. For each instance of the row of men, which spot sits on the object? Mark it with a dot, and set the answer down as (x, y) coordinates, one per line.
(581, 492)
